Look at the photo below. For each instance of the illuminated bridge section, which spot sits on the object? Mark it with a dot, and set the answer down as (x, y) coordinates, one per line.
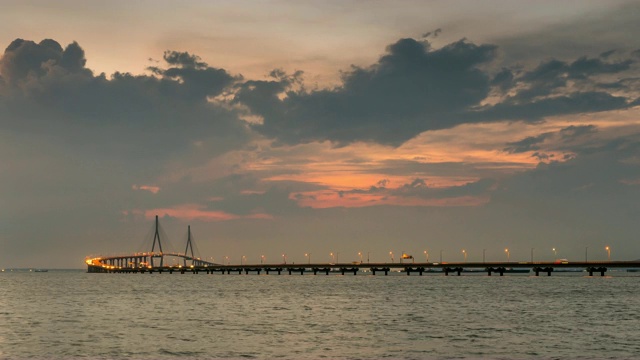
(143, 261)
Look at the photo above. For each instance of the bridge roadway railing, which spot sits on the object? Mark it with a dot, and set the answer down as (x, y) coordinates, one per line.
(139, 263)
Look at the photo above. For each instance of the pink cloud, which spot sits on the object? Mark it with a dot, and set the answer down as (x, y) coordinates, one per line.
(196, 212)
(149, 188)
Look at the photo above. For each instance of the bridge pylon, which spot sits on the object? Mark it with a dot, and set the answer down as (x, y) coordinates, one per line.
(156, 237)
(189, 247)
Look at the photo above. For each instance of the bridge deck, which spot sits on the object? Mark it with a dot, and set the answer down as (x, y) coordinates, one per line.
(110, 264)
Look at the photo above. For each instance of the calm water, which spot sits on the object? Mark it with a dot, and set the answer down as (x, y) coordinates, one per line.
(72, 314)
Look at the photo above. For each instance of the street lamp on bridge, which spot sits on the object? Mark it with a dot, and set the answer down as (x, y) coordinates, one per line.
(426, 254)
(508, 255)
(391, 255)
(464, 252)
(586, 254)
(308, 255)
(608, 253)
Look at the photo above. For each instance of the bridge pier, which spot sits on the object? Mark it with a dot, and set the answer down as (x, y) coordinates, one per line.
(447, 270)
(316, 270)
(499, 270)
(354, 270)
(272, 269)
(385, 269)
(601, 270)
(409, 270)
(538, 269)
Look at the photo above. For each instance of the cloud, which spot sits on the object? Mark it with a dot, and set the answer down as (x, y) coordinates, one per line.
(193, 212)
(414, 88)
(566, 135)
(418, 193)
(197, 79)
(147, 119)
(25, 61)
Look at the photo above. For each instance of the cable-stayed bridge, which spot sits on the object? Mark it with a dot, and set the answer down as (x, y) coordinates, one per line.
(156, 261)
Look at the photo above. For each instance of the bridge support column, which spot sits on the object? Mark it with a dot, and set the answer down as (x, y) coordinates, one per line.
(601, 270)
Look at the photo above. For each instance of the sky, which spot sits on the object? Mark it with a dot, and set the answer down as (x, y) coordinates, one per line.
(303, 127)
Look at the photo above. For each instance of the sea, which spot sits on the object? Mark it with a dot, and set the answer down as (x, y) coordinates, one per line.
(71, 314)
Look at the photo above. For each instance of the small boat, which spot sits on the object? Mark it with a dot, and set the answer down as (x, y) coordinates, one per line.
(40, 270)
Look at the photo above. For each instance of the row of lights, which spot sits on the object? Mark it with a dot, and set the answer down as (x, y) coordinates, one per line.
(334, 256)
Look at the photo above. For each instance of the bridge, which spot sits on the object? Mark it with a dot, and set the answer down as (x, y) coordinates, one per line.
(153, 262)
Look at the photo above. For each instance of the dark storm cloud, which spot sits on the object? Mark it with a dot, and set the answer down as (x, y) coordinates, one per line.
(147, 118)
(24, 60)
(184, 59)
(536, 110)
(411, 89)
(197, 78)
(414, 88)
(551, 78)
(503, 79)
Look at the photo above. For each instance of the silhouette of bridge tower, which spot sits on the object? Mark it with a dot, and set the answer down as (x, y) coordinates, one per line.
(189, 246)
(156, 237)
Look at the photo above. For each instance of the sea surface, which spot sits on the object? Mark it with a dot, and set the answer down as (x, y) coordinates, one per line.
(73, 314)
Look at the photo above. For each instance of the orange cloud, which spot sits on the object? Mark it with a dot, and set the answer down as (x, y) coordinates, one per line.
(149, 188)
